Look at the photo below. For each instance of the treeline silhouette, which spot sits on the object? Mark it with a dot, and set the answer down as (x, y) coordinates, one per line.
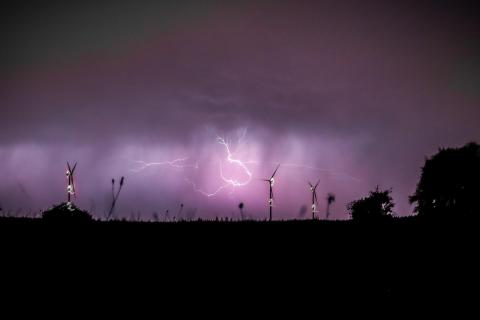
(449, 187)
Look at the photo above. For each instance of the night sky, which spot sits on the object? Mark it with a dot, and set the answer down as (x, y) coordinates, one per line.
(355, 93)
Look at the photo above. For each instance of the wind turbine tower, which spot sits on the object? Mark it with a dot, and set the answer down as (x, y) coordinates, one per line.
(313, 190)
(271, 181)
(71, 182)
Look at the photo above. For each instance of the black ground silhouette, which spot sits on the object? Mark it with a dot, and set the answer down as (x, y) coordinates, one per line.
(398, 259)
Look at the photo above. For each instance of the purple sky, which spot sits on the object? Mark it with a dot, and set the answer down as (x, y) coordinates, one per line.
(351, 93)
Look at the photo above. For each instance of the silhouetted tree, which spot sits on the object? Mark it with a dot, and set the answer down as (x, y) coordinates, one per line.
(330, 200)
(450, 183)
(377, 205)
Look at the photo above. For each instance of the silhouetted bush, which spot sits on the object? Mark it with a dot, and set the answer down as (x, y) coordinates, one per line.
(450, 183)
(66, 213)
(377, 206)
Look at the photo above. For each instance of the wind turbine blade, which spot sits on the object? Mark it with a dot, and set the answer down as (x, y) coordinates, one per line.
(68, 166)
(75, 166)
(317, 183)
(273, 175)
(310, 185)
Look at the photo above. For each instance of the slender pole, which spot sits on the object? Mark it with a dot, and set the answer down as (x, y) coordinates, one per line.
(313, 206)
(68, 187)
(271, 201)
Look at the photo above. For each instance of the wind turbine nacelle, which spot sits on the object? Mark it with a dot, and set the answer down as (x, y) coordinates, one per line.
(270, 202)
(70, 189)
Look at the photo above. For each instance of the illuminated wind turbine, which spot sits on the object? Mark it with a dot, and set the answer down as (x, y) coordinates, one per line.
(313, 189)
(71, 182)
(271, 181)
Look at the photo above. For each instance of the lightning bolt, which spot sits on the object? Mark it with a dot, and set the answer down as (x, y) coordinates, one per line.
(228, 182)
(205, 193)
(230, 159)
(177, 163)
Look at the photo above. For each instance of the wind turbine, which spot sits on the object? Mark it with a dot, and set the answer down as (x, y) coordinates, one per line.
(271, 181)
(313, 189)
(71, 182)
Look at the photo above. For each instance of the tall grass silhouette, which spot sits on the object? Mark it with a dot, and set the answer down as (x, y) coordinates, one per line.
(115, 197)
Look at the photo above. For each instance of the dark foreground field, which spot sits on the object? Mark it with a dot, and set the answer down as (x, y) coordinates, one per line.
(397, 260)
